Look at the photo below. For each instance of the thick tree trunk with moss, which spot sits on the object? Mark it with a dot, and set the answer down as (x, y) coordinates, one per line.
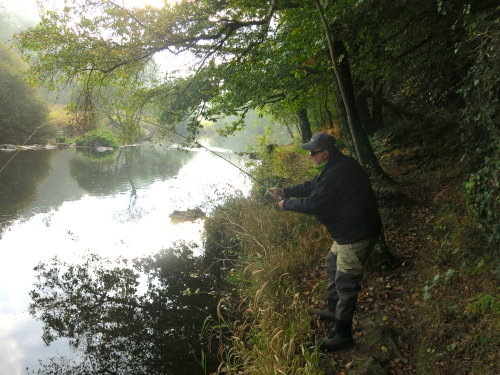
(340, 61)
(362, 144)
(364, 113)
(304, 125)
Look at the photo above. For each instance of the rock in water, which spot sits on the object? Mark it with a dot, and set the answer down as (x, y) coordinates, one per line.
(188, 215)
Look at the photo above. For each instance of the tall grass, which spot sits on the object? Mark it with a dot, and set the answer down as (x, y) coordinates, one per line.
(266, 326)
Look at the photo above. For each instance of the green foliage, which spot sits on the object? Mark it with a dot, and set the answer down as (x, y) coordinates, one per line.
(102, 137)
(482, 98)
(272, 322)
(280, 165)
(483, 196)
(260, 248)
(58, 120)
(256, 124)
(249, 55)
(255, 54)
(447, 276)
(485, 304)
(429, 285)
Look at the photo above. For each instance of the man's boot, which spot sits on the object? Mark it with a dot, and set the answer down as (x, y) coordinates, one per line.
(341, 338)
(328, 313)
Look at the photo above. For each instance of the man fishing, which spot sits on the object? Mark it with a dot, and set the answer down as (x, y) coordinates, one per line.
(342, 199)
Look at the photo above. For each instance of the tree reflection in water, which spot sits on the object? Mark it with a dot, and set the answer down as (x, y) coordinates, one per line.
(19, 182)
(116, 327)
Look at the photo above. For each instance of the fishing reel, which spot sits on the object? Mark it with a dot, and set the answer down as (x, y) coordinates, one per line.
(277, 207)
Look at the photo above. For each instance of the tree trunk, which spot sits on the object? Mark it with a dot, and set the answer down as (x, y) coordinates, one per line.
(328, 112)
(342, 70)
(289, 130)
(304, 125)
(380, 102)
(364, 114)
(344, 122)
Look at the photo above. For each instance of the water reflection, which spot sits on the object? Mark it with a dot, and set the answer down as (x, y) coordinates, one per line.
(130, 168)
(68, 207)
(19, 181)
(115, 328)
(40, 181)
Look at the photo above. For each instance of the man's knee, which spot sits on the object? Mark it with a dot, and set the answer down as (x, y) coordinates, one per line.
(331, 263)
(347, 282)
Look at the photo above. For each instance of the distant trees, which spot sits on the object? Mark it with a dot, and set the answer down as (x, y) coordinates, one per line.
(22, 109)
(11, 23)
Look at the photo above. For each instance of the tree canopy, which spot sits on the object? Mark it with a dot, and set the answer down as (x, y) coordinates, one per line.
(238, 50)
(281, 56)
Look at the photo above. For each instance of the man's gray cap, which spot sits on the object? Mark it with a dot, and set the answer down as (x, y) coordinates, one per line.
(320, 141)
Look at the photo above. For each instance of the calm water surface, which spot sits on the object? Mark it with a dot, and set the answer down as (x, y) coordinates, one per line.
(71, 204)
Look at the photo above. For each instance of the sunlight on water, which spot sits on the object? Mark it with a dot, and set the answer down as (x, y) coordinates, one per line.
(129, 222)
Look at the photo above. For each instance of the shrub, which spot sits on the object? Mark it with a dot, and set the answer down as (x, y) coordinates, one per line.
(101, 137)
(483, 196)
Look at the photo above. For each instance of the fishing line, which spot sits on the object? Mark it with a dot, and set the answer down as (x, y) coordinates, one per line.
(206, 148)
(158, 126)
(19, 149)
(276, 205)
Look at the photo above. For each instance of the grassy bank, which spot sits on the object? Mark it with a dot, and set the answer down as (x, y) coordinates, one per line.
(436, 313)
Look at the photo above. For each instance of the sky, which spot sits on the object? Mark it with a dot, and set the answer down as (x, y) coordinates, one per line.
(29, 9)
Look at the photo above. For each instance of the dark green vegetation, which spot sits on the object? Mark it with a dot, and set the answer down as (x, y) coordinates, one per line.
(24, 113)
(22, 109)
(101, 137)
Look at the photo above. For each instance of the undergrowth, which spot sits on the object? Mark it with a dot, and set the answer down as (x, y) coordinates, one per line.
(269, 325)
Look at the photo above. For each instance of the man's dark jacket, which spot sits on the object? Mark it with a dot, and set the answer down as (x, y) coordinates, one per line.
(341, 198)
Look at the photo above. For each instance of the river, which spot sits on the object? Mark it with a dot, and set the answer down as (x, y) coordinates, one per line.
(88, 209)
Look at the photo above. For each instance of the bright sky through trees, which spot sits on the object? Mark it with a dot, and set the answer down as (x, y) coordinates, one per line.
(29, 9)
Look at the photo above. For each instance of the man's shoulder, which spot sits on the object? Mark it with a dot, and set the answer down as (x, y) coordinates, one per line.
(342, 162)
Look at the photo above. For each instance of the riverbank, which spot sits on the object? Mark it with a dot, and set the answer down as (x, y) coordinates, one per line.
(58, 146)
(436, 313)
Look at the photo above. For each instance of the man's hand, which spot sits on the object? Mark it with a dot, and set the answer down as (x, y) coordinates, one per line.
(278, 206)
(276, 192)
